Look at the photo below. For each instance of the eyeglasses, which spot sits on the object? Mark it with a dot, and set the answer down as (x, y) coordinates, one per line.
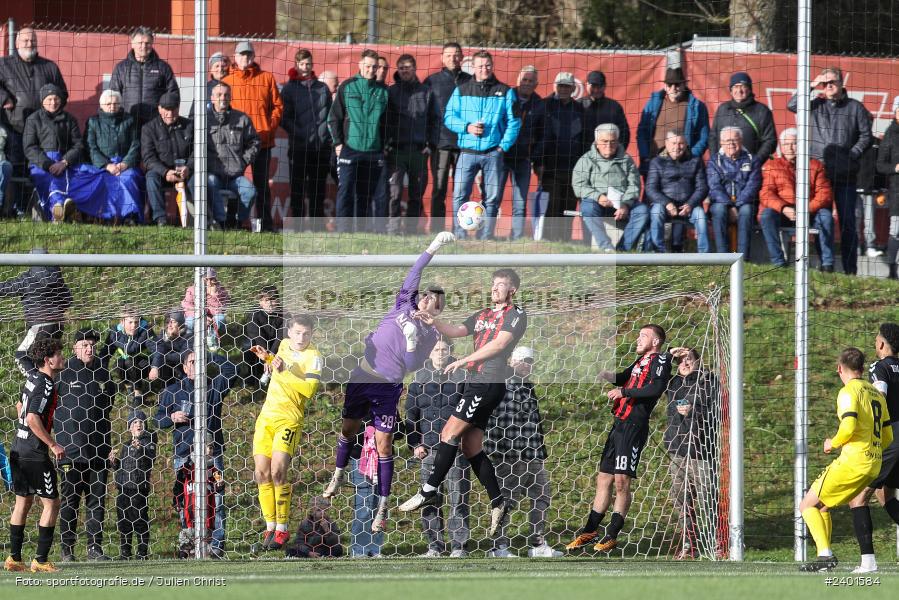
(527, 361)
(833, 82)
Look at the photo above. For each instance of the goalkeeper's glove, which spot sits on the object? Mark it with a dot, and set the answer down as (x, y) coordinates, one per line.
(443, 238)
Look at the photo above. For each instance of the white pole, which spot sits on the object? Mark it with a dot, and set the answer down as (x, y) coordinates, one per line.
(200, 191)
(800, 475)
(735, 383)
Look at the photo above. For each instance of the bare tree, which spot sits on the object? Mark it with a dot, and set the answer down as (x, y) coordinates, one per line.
(756, 18)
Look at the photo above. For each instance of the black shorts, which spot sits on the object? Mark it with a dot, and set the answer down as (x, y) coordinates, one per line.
(478, 402)
(33, 477)
(889, 470)
(621, 454)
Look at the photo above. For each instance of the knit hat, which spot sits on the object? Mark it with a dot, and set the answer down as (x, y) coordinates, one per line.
(217, 57)
(50, 89)
(740, 77)
(596, 78)
(136, 415)
(522, 353)
(176, 315)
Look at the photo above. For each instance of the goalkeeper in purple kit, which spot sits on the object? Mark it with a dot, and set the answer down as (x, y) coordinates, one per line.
(400, 344)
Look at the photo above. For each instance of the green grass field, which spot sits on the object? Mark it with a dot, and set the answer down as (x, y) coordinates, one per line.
(502, 579)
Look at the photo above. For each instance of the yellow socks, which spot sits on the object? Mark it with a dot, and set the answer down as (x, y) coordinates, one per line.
(283, 495)
(267, 501)
(819, 527)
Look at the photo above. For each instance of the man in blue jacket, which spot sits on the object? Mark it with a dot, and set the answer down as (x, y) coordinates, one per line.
(482, 112)
(674, 107)
(735, 178)
(176, 411)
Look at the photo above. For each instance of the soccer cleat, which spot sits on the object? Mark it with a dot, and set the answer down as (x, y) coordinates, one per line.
(278, 540)
(458, 553)
(498, 515)
(419, 500)
(501, 552)
(863, 569)
(267, 538)
(379, 523)
(337, 480)
(686, 554)
(95, 553)
(431, 553)
(45, 567)
(606, 544)
(544, 550)
(582, 540)
(10, 564)
(820, 564)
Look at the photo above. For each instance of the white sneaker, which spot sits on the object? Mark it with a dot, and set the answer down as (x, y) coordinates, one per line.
(431, 553)
(872, 253)
(379, 523)
(417, 501)
(501, 552)
(544, 551)
(863, 569)
(458, 553)
(337, 480)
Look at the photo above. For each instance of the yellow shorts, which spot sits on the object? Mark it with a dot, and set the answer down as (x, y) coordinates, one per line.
(840, 483)
(276, 434)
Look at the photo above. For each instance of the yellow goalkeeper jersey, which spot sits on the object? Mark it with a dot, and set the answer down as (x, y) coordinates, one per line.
(864, 425)
(291, 387)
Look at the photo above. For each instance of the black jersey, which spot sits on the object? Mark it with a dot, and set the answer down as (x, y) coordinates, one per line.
(642, 383)
(485, 325)
(884, 376)
(39, 396)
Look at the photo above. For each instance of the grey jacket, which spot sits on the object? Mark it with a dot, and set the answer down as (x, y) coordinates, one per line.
(233, 143)
(594, 175)
(841, 132)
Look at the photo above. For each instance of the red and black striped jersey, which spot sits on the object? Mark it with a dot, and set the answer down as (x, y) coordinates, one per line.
(39, 396)
(485, 325)
(642, 384)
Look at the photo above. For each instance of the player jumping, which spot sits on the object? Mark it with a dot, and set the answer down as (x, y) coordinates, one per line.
(296, 373)
(642, 384)
(400, 344)
(33, 472)
(864, 431)
(496, 331)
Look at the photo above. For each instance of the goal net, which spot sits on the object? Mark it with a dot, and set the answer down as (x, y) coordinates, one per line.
(584, 314)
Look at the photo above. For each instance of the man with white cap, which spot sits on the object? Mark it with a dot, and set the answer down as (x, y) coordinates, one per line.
(566, 136)
(514, 441)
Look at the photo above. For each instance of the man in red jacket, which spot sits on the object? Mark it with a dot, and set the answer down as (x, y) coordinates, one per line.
(777, 202)
(254, 92)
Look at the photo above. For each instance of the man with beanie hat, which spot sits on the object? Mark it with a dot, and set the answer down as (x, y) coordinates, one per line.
(82, 427)
(602, 109)
(752, 117)
(134, 467)
(672, 108)
(22, 75)
(167, 149)
(170, 348)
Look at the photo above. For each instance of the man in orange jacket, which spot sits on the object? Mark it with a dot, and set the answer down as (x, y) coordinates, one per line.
(777, 202)
(254, 92)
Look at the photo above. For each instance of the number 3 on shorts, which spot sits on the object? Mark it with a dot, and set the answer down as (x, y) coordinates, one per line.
(288, 435)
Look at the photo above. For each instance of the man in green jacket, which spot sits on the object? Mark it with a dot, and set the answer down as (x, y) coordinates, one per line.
(357, 125)
(608, 183)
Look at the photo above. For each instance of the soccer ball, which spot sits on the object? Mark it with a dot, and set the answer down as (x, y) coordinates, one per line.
(471, 216)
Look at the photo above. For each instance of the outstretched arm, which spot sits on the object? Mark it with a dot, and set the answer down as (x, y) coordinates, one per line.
(413, 278)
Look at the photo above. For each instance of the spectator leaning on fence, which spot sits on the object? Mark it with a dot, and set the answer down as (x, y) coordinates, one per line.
(255, 93)
(518, 160)
(357, 124)
(602, 109)
(482, 112)
(167, 148)
(233, 146)
(840, 133)
(888, 165)
(608, 184)
(674, 107)
(777, 202)
(443, 161)
(752, 117)
(565, 139)
(54, 148)
(22, 75)
(412, 127)
(677, 188)
(735, 178)
(82, 426)
(113, 144)
(307, 102)
(142, 78)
